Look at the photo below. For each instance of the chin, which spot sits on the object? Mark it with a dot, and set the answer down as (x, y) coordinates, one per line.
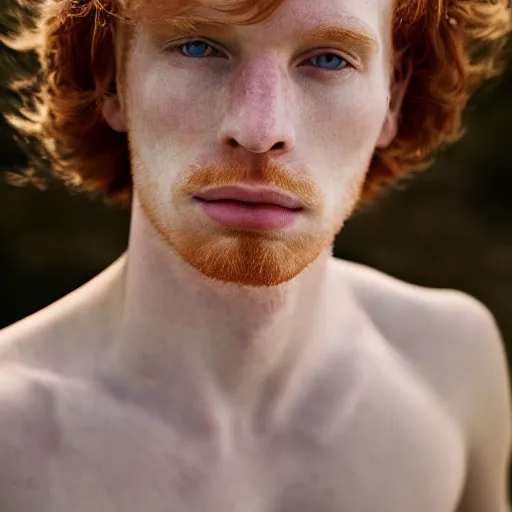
(245, 258)
(248, 259)
(254, 258)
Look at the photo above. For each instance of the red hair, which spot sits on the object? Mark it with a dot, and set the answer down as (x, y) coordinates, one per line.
(449, 46)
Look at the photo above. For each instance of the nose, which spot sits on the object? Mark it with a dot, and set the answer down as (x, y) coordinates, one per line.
(259, 117)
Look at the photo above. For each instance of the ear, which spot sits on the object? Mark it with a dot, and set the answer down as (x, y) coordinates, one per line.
(398, 89)
(113, 112)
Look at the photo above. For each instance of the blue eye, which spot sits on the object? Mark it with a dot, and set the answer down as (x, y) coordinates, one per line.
(196, 49)
(329, 61)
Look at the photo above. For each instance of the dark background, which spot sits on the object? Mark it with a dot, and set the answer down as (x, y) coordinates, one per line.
(449, 227)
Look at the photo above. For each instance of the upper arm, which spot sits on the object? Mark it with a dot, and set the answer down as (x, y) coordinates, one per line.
(488, 427)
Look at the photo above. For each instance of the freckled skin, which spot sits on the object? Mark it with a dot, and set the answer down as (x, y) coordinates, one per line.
(221, 370)
(260, 94)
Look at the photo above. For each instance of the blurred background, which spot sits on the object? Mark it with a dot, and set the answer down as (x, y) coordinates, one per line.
(449, 227)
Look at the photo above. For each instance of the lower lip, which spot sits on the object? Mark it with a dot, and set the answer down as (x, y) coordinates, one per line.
(249, 216)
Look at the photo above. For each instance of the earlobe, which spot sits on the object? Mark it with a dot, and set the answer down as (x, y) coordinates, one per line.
(395, 102)
(112, 112)
(389, 130)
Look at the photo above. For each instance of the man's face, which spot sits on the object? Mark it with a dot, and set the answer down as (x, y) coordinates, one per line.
(297, 103)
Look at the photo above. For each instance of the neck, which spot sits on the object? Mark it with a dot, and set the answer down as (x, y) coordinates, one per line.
(178, 326)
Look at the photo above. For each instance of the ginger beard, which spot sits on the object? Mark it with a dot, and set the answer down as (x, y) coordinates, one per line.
(256, 258)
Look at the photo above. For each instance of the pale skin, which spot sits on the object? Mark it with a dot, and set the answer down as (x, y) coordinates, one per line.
(155, 387)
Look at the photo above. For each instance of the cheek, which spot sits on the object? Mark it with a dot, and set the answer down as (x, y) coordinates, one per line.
(170, 123)
(347, 123)
(173, 111)
(342, 129)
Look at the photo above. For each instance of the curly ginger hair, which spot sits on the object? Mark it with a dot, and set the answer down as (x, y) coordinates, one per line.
(449, 47)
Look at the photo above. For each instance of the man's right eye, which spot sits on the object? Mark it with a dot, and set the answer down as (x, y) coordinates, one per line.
(197, 49)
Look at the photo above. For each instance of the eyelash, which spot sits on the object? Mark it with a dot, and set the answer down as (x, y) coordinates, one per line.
(180, 47)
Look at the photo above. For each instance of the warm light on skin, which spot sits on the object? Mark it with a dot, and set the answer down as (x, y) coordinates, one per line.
(193, 120)
(357, 41)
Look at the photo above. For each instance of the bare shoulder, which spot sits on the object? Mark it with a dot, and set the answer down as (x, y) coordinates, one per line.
(32, 355)
(411, 314)
(41, 358)
(452, 343)
(26, 405)
(29, 435)
(450, 338)
(67, 334)
(41, 341)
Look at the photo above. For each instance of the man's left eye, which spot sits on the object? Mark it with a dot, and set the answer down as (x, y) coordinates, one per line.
(197, 49)
(329, 61)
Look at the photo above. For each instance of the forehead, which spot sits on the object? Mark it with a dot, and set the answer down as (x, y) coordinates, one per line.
(269, 18)
(308, 14)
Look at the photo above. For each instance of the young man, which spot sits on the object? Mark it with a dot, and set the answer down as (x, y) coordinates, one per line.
(227, 362)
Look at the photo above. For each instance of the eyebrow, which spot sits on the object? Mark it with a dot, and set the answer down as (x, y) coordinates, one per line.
(360, 39)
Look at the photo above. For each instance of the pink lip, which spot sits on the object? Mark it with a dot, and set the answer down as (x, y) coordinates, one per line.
(245, 207)
(251, 194)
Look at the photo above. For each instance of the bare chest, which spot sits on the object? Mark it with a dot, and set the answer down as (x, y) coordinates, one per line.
(289, 475)
(381, 444)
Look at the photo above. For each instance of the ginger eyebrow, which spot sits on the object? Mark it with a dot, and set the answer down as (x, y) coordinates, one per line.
(357, 39)
(361, 40)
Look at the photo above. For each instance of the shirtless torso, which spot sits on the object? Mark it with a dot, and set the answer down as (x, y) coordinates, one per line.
(383, 422)
(230, 364)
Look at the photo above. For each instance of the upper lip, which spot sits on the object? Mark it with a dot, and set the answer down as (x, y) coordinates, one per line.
(251, 194)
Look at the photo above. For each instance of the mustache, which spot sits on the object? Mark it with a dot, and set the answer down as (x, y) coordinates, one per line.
(197, 179)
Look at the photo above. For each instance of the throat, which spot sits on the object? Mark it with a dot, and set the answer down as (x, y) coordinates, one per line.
(181, 332)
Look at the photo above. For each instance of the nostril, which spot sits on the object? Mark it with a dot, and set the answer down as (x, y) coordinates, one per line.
(233, 143)
(278, 145)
